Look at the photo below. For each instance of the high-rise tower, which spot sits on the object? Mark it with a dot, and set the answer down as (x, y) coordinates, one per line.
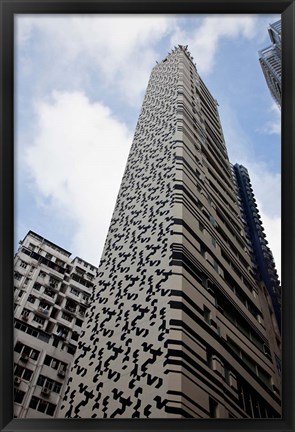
(271, 62)
(177, 325)
(261, 252)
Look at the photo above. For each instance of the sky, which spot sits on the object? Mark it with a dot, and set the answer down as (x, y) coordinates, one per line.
(79, 86)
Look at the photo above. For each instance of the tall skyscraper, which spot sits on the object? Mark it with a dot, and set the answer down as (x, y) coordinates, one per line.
(178, 326)
(261, 252)
(271, 62)
(51, 296)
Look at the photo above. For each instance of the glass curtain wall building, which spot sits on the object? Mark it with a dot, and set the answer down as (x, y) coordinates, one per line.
(270, 59)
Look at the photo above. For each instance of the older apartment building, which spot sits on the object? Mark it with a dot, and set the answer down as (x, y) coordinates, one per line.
(180, 324)
(51, 297)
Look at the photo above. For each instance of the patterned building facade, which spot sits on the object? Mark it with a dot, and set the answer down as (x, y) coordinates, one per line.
(178, 325)
(51, 296)
(270, 59)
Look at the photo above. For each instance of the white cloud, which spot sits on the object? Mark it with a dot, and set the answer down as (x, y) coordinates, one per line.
(73, 133)
(77, 145)
(204, 41)
(267, 188)
(273, 126)
(114, 45)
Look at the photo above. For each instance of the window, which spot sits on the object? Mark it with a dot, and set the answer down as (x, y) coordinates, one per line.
(82, 311)
(72, 349)
(75, 336)
(42, 406)
(42, 274)
(279, 364)
(39, 320)
(85, 297)
(54, 363)
(55, 342)
(50, 384)
(17, 276)
(213, 408)
(264, 376)
(79, 322)
(22, 372)
(53, 282)
(29, 330)
(75, 291)
(37, 286)
(201, 227)
(213, 221)
(62, 331)
(66, 317)
(48, 256)
(60, 262)
(23, 264)
(49, 292)
(207, 315)
(31, 298)
(44, 306)
(47, 360)
(18, 396)
(25, 312)
(18, 347)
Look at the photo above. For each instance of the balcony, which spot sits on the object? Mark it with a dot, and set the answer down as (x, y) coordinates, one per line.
(61, 335)
(71, 306)
(43, 310)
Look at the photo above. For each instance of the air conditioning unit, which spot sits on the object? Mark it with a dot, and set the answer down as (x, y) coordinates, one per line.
(17, 381)
(45, 391)
(61, 373)
(24, 357)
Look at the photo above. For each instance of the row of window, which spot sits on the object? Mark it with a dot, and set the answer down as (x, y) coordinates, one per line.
(31, 331)
(261, 373)
(36, 403)
(26, 350)
(42, 406)
(22, 372)
(54, 363)
(49, 383)
(61, 333)
(41, 321)
(85, 264)
(34, 354)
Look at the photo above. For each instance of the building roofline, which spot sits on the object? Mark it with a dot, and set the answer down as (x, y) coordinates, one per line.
(47, 241)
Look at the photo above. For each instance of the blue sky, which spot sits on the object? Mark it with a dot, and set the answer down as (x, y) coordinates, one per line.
(80, 83)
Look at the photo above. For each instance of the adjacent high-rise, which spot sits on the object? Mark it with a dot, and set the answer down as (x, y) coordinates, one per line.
(261, 252)
(51, 296)
(179, 325)
(270, 59)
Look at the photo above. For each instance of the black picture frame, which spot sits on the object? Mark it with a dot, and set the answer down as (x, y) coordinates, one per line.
(11, 7)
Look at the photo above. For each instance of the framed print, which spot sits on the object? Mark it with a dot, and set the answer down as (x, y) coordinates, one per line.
(147, 215)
